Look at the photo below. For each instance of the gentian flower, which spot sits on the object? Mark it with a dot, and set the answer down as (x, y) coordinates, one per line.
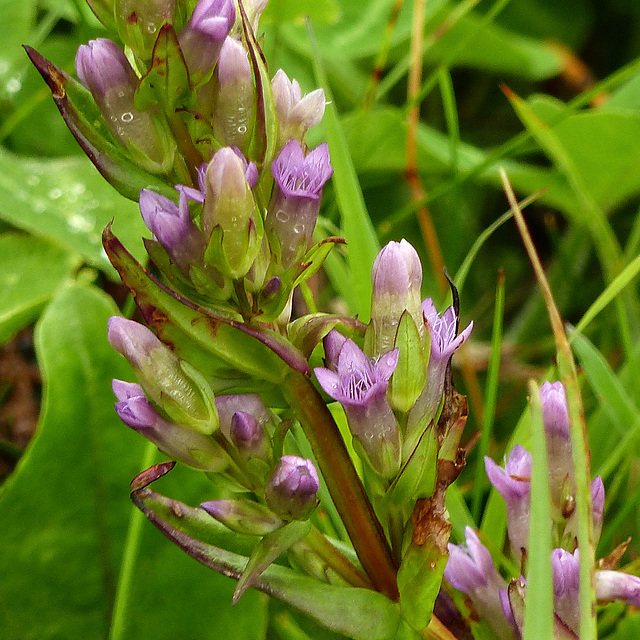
(292, 489)
(190, 447)
(172, 384)
(233, 113)
(295, 113)
(444, 343)
(295, 203)
(230, 218)
(396, 277)
(360, 385)
(471, 570)
(555, 416)
(514, 485)
(103, 68)
(202, 37)
(172, 226)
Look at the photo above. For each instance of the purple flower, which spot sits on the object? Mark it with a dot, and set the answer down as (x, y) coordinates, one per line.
(229, 405)
(183, 444)
(566, 587)
(295, 203)
(103, 68)
(559, 451)
(233, 112)
(396, 277)
(444, 342)
(172, 226)
(230, 217)
(185, 397)
(202, 37)
(360, 385)
(471, 570)
(514, 485)
(295, 113)
(291, 491)
(617, 585)
(249, 437)
(570, 536)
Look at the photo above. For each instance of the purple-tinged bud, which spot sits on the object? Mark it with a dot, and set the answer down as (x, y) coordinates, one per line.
(140, 21)
(103, 68)
(471, 570)
(555, 416)
(295, 113)
(172, 226)
(294, 206)
(292, 489)
(333, 343)
(566, 587)
(230, 216)
(570, 534)
(243, 516)
(233, 113)
(617, 585)
(444, 342)
(190, 447)
(249, 437)
(171, 383)
(396, 277)
(202, 37)
(513, 483)
(250, 403)
(360, 385)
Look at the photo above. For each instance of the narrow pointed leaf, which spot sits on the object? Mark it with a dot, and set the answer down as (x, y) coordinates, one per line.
(88, 127)
(267, 550)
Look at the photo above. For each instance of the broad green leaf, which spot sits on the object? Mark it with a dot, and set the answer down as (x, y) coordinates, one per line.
(64, 512)
(31, 271)
(68, 201)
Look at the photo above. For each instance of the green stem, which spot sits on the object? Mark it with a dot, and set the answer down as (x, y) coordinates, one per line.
(131, 547)
(344, 485)
(191, 155)
(335, 559)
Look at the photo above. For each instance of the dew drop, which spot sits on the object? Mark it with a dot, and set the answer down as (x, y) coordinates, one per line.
(54, 194)
(242, 129)
(120, 131)
(282, 216)
(113, 118)
(14, 85)
(151, 27)
(298, 228)
(127, 116)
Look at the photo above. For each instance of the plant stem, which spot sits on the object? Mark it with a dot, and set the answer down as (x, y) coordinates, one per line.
(344, 485)
(336, 559)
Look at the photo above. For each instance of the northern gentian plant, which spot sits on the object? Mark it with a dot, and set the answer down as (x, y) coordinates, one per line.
(187, 120)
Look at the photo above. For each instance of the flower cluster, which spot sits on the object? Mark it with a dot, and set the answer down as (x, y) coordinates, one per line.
(471, 569)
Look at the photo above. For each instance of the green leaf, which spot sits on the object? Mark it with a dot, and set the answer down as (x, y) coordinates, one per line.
(419, 580)
(69, 202)
(267, 550)
(31, 271)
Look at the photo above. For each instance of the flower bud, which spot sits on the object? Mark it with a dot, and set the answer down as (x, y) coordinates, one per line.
(243, 516)
(360, 386)
(249, 437)
(396, 277)
(202, 37)
(617, 585)
(513, 483)
(293, 210)
(179, 389)
(291, 491)
(555, 416)
(230, 217)
(471, 570)
(295, 113)
(233, 114)
(566, 587)
(139, 22)
(172, 226)
(103, 68)
(250, 403)
(190, 447)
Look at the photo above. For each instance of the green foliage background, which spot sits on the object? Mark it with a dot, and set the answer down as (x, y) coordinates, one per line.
(66, 524)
